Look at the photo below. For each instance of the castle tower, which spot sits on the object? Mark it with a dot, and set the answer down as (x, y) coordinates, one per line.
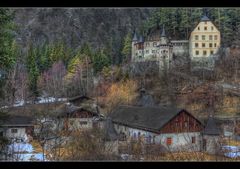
(134, 41)
(163, 38)
(140, 47)
(165, 52)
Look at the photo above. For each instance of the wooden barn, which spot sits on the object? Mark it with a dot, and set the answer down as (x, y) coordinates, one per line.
(174, 128)
(74, 117)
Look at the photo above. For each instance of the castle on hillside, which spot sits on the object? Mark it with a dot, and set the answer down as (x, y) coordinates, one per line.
(201, 47)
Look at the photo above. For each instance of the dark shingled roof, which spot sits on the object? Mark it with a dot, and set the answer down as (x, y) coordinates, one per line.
(148, 118)
(141, 40)
(111, 134)
(145, 99)
(163, 34)
(211, 127)
(205, 18)
(135, 37)
(81, 98)
(65, 110)
(18, 121)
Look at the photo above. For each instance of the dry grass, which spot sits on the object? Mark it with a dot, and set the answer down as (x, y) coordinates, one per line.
(36, 146)
(187, 156)
(232, 142)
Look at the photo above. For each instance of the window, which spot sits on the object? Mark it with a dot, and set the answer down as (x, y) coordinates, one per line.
(197, 52)
(83, 122)
(125, 128)
(203, 37)
(215, 37)
(196, 37)
(169, 141)
(212, 28)
(210, 45)
(147, 51)
(204, 52)
(193, 140)
(154, 139)
(198, 28)
(154, 44)
(211, 52)
(14, 130)
(134, 135)
(153, 51)
(1, 134)
(203, 45)
(210, 37)
(149, 139)
(196, 45)
(215, 45)
(205, 28)
(185, 124)
(139, 134)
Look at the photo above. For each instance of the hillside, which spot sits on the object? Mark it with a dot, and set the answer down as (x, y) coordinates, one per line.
(75, 26)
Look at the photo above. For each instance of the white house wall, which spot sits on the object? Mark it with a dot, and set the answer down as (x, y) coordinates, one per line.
(21, 133)
(180, 141)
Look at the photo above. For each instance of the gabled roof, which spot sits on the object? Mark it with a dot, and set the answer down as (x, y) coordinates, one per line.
(145, 99)
(204, 18)
(148, 118)
(211, 127)
(81, 97)
(18, 121)
(65, 110)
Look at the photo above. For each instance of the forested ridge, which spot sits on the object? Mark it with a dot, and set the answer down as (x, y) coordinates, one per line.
(45, 50)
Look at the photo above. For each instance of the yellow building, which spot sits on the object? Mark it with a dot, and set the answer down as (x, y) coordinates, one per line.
(204, 40)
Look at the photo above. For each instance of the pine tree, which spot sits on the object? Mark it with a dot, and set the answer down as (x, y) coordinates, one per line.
(7, 59)
(33, 71)
(8, 47)
(101, 60)
(126, 51)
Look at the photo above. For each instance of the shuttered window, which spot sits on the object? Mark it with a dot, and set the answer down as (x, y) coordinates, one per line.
(193, 140)
(169, 141)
